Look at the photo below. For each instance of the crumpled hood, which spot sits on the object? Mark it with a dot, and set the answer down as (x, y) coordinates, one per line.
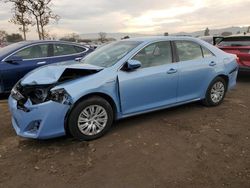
(53, 73)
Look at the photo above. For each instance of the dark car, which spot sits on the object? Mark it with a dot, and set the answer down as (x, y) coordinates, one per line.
(240, 46)
(20, 58)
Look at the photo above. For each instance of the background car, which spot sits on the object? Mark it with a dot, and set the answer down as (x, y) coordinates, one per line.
(208, 39)
(119, 80)
(240, 46)
(19, 58)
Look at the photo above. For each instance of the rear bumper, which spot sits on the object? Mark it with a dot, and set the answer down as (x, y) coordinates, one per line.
(43, 121)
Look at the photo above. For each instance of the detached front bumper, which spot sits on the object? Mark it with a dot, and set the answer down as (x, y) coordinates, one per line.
(43, 121)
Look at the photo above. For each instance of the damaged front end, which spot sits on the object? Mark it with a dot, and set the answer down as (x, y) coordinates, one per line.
(38, 94)
(39, 105)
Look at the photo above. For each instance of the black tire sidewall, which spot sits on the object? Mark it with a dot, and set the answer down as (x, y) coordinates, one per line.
(208, 99)
(75, 112)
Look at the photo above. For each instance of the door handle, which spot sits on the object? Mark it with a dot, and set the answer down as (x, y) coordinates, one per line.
(212, 63)
(41, 62)
(172, 71)
(78, 59)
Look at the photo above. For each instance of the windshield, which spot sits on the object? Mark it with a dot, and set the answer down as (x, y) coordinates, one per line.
(244, 41)
(110, 54)
(7, 49)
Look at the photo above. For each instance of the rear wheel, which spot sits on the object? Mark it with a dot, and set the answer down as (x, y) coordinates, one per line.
(215, 92)
(90, 119)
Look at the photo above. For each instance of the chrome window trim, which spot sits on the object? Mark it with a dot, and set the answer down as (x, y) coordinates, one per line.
(30, 45)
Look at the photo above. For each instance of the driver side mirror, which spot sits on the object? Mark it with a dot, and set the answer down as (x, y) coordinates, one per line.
(133, 64)
(14, 60)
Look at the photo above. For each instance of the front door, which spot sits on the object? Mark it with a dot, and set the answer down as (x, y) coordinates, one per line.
(153, 85)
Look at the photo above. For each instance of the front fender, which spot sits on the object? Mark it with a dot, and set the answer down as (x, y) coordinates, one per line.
(109, 89)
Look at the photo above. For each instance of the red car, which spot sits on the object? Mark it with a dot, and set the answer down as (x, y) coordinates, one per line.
(240, 46)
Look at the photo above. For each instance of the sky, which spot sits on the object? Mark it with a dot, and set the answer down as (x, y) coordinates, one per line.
(138, 16)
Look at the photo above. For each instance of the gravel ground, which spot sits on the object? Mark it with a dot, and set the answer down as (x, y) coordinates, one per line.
(186, 146)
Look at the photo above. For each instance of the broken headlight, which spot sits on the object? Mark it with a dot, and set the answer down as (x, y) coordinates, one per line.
(38, 95)
(60, 96)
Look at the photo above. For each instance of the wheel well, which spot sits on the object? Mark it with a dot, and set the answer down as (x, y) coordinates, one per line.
(224, 77)
(102, 95)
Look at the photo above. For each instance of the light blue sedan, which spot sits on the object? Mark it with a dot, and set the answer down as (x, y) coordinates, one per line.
(119, 80)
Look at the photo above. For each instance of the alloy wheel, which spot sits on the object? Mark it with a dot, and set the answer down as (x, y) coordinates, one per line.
(92, 120)
(217, 92)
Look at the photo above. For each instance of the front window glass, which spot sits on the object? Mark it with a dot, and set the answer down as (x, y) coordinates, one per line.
(36, 51)
(110, 54)
(188, 50)
(155, 54)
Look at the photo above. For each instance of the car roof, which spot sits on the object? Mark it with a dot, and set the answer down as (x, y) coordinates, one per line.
(5, 51)
(146, 40)
(28, 42)
(156, 38)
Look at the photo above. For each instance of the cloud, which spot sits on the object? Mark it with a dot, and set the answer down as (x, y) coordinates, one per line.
(143, 16)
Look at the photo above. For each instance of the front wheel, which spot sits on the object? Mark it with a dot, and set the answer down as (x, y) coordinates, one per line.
(215, 92)
(90, 119)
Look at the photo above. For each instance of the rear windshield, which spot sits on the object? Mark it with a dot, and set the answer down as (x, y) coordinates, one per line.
(236, 41)
(12, 47)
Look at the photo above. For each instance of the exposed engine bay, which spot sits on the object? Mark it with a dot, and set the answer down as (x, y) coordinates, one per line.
(70, 74)
(40, 93)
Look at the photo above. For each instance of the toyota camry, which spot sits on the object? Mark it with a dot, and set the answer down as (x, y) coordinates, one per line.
(119, 80)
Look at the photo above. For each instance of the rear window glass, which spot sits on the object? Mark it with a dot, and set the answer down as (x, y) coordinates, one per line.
(64, 49)
(206, 52)
(237, 41)
(188, 50)
(80, 49)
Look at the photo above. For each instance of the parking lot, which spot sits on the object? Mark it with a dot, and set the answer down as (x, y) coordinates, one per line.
(186, 146)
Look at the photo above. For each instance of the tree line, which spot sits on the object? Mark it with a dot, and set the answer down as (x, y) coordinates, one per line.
(38, 13)
(5, 37)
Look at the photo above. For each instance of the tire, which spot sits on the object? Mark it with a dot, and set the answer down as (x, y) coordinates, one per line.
(84, 123)
(215, 92)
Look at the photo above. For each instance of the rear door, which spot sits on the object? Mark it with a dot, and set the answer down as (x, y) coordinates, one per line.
(196, 68)
(154, 84)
